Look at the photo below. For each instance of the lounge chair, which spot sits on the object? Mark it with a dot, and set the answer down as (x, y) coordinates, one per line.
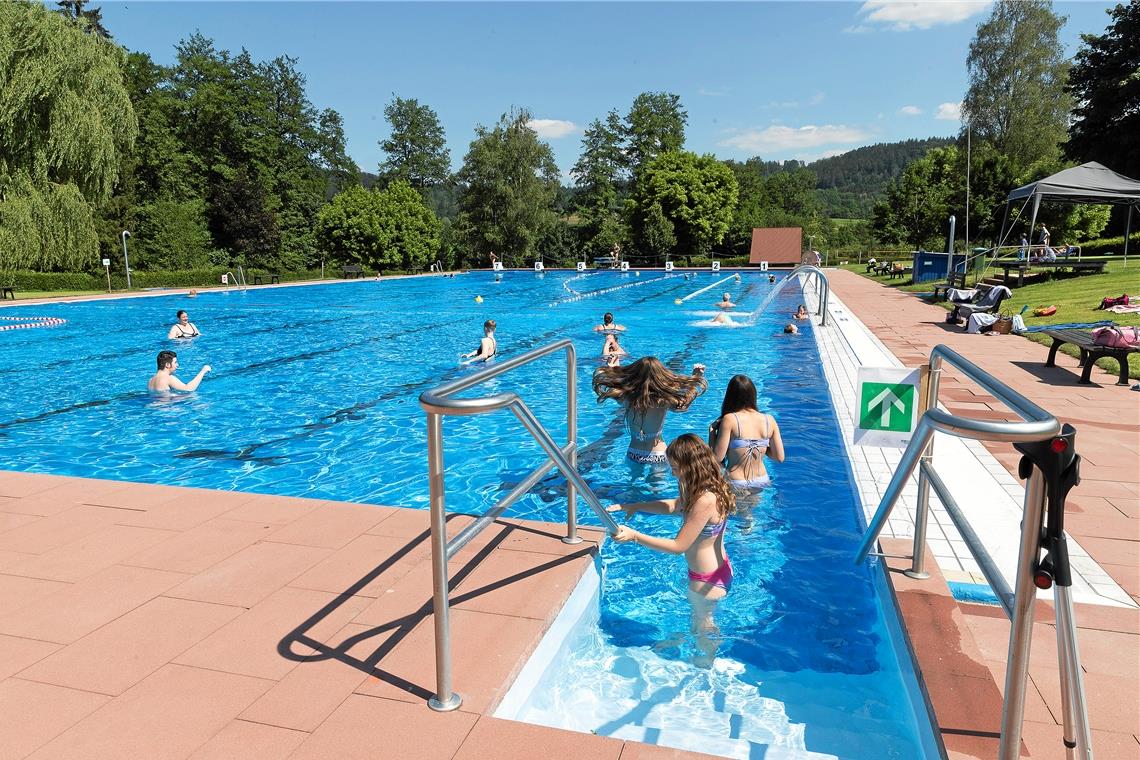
(989, 302)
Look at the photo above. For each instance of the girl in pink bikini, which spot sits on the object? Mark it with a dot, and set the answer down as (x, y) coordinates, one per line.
(705, 501)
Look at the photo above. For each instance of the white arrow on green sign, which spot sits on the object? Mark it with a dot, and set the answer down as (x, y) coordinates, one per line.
(887, 399)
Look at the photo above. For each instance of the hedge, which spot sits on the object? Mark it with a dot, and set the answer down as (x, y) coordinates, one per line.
(184, 278)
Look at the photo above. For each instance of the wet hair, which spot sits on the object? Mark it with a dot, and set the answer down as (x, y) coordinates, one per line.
(740, 395)
(165, 358)
(728, 296)
(489, 325)
(790, 329)
(179, 314)
(607, 318)
(648, 384)
(698, 472)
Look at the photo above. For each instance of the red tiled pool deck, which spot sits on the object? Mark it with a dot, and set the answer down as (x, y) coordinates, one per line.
(141, 621)
(962, 647)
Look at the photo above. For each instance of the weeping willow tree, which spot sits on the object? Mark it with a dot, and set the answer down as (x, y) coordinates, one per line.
(65, 122)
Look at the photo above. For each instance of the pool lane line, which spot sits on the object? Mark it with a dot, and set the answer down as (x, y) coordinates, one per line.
(603, 291)
(27, 323)
(570, 290)
(696, 293)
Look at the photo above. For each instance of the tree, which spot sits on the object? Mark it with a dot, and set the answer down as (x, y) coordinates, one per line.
(655, 125)
(509, 181)
(696, 194)
(90, 20)
(915, 207)
(342, 171)
(66, 122)
(1016, 98)
(1105, 82)
(416, 149)
(241, 223)
(387, 228)
(597, 174)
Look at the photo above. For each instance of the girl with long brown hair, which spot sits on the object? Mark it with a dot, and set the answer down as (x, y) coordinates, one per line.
(705, 502)
(648, 389)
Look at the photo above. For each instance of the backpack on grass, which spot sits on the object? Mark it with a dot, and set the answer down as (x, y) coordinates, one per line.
(1115, 336)
(1107, 302)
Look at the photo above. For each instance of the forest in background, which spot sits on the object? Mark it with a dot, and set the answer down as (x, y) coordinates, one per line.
(220, 160)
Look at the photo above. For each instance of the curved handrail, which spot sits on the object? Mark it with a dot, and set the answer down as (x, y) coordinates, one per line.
(824, 291)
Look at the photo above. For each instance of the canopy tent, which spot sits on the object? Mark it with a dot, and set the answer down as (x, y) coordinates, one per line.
(1087, 183)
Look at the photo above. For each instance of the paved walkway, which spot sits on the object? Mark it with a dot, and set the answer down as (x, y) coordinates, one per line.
(959, 646)
(141, 621)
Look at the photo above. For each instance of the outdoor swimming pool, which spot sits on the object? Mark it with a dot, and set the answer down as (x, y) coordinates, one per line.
(314, 393)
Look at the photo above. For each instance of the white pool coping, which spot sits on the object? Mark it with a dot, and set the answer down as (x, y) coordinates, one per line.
(989, 496)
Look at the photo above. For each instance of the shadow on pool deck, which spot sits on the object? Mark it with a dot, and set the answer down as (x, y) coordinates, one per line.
(154, 621)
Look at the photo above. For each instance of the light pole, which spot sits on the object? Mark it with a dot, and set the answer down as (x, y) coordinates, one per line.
(126, 261)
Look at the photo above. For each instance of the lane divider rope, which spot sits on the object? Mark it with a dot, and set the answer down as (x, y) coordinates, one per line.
(26, 323)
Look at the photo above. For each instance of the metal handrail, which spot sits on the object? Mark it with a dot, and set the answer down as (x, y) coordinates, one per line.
(1037, 425)
(824, 291)
(439, 402)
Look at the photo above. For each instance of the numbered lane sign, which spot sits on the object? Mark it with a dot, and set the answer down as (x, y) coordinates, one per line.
(716, 266)
(763, 266)
(625, 266)
(581, 266)
(538, 266)
(668, 266)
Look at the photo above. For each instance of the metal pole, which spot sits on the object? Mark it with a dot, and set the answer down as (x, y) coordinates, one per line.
(572, 536)
(922, 505)
(126, 262)
(444, 700)
(1077, 737)
(950, 250)
(1127, 234)
(1021, 626)
(968, 126)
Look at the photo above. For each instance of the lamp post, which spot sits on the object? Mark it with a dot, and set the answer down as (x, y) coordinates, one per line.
(126, 262)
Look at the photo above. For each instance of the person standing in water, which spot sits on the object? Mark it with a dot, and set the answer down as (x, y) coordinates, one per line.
(488, 346)
(704, 502)
(164, 380)
(183, 327)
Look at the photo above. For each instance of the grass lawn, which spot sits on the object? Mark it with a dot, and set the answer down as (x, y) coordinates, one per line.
(24, 295)
(1076, 299)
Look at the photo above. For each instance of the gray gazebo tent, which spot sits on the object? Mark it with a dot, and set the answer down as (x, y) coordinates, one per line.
(1087, 183)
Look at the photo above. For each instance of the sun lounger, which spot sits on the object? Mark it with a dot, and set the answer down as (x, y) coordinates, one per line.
(989, 302)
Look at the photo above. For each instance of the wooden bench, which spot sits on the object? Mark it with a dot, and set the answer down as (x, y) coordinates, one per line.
(350, 271)
(957, 281)
(1090, 352)
(900, 272)
(8, 291)
(274, 279)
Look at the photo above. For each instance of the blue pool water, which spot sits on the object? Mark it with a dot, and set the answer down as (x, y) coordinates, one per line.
(314, 393)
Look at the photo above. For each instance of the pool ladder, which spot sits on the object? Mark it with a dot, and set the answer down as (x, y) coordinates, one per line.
(237, 280)
(1050, 466)
(805, 269)
(439, 402)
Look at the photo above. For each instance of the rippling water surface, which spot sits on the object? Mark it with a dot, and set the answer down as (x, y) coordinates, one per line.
(314, 393)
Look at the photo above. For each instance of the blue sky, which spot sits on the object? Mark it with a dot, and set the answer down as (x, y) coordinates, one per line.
(775, 79)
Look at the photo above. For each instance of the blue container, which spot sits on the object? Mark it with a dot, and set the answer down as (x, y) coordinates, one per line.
(931, 265)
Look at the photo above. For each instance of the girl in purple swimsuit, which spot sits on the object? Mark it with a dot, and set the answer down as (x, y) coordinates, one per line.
(741, 437)
(705, 502)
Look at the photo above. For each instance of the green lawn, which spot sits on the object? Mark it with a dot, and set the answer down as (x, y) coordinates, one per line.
(24, 295)
(1076, 299)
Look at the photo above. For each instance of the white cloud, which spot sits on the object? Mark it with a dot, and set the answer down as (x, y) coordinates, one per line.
(949, 112)
(910, 110)
(778, 138)
(552, 129)
(905, 15)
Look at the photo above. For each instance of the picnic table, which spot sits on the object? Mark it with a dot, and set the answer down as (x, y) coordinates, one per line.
(1090, 352)
(8, 291)
(1023, 266)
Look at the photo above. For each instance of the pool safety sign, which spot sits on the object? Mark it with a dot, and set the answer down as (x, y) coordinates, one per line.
(888, 406)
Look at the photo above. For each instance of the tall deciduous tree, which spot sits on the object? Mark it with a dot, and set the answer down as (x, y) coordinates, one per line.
(597, 174)
(390, 228)
(342, 171)
(915, 207)
(1017, 66)
(655, 125)
(1105, 81)
(510, 182)
(65, 122)
(416, 148)
(696, 194)
(90, 19)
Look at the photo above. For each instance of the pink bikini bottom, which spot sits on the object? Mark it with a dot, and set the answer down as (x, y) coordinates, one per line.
(721, 577)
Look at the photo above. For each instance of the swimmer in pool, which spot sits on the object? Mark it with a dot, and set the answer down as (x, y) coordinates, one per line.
(723, 319)
(802, 313)
(726, 302)
(704, 503)
(771, 278)
(612, 351)
(164, 380)
(488, 346)
(608, 325)
(183, 328)
(790, 329)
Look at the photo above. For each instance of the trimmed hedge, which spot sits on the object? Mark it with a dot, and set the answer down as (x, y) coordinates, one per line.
(1110, 245)
(185, 278)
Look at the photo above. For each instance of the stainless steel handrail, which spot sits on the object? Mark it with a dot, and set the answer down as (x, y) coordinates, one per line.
(1037, 425)
(439, 402)
(824, 290)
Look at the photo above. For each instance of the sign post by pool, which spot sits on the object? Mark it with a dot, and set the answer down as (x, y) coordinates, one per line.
(107, 266)
(889, 402)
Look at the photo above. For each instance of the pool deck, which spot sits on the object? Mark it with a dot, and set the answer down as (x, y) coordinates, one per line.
(143, 621)
(962, 647)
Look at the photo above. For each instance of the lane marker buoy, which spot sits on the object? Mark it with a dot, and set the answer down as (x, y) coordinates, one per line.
(27, 323)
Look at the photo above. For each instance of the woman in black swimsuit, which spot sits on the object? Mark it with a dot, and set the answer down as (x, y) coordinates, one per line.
(488, 346)
(183, 328)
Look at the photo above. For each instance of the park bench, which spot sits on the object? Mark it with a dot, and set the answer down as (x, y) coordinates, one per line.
(957, 281)
(900, 271)
(1090, 352)
(274, 279)
(8, 291)
(350, 271)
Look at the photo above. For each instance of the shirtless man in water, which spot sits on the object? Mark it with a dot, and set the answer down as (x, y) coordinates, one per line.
(726, 303)
(164, 380)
